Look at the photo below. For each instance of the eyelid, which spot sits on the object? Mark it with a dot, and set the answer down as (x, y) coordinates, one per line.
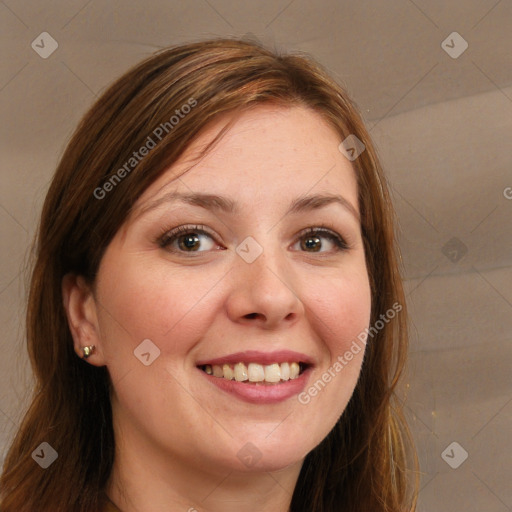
(328, 232)
(169, 233)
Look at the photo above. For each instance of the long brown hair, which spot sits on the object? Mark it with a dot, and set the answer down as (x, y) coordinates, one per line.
(362, 465)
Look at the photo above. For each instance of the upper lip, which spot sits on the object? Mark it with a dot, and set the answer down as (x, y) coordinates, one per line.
(255, 356)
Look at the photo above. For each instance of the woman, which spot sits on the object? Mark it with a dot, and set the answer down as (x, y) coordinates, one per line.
(216, 318)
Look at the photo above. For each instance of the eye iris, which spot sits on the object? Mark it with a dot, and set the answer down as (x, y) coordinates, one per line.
(312, 242)
(189, 241)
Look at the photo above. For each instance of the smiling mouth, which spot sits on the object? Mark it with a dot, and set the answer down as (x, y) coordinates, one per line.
(253, 373)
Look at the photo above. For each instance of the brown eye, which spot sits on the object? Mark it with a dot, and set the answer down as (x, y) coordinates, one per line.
(311, 240)
(190, 241)
(186, 239)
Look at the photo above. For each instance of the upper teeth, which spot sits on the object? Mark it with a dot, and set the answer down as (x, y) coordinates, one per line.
(254, 372)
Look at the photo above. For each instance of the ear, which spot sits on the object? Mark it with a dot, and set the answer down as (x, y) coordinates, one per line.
(81, 312)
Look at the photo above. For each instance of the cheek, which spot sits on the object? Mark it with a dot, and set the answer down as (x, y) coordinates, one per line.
(342, 310)
(340, 313)
(141, 301)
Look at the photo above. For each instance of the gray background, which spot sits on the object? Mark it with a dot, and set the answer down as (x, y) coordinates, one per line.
(443, 128)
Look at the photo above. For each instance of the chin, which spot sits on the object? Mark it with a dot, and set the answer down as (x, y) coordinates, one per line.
(260, 453)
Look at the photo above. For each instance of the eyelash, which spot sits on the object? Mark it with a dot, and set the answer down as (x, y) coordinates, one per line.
(170, 235)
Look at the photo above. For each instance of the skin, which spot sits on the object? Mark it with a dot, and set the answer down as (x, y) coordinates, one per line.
(177, 435)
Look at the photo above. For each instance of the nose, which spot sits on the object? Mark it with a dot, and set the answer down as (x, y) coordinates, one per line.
(263, 292)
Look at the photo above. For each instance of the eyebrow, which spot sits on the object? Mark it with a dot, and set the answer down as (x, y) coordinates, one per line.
(219, 203)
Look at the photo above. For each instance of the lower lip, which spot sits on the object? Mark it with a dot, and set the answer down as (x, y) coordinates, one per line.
(260, 393)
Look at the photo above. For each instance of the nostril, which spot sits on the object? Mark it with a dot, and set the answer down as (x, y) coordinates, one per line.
(252, 315)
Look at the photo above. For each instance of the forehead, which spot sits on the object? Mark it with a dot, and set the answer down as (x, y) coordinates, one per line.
(270, 155)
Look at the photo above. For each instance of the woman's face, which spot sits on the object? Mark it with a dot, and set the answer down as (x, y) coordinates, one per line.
(241, 285)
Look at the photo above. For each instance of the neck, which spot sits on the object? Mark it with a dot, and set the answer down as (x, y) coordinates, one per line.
(144, 478)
